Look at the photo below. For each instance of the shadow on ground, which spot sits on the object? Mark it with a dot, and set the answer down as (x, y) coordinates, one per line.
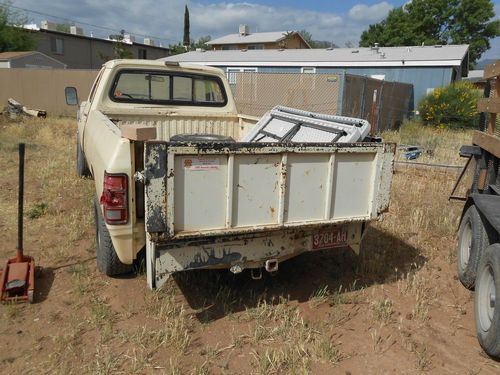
(214, 294)
(44, 278)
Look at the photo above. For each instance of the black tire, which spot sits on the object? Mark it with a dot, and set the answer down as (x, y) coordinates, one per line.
(82, 169)
(472, 240)
(107, 260)
(487, 311)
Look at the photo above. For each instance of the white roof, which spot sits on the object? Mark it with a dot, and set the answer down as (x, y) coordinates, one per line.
(267, 37)
(447, 55)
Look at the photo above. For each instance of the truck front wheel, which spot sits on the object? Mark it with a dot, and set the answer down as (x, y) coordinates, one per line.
(472, 239)
(107, 260)
(487, 311)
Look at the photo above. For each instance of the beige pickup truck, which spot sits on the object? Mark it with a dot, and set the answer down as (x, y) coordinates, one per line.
(160, 140)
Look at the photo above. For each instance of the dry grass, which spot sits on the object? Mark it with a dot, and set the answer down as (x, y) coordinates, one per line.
(382, 310)
(52, 188)
(440, 146)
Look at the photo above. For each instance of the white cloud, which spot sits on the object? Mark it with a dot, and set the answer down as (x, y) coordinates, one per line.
(165, 19)
(374, 13)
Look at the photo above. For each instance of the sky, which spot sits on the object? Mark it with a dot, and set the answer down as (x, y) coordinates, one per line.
(339, 22)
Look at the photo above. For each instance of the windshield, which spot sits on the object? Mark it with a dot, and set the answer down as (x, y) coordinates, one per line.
(156, 87)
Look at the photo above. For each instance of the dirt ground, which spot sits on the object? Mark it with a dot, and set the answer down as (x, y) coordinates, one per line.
(398, 308)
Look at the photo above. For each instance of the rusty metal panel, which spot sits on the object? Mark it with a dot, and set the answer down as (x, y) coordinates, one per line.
(246, 251)
(155, 172)
(201, 193)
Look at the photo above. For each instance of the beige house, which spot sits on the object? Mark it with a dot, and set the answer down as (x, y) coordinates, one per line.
(244, 40)
(76, 50)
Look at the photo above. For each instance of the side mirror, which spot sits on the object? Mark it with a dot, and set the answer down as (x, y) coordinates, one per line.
(71, 96)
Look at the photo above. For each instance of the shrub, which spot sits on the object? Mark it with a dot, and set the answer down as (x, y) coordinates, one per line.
(37, 210)
(453, 106)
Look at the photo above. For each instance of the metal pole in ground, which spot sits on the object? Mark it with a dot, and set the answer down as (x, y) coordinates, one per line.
(20, 255)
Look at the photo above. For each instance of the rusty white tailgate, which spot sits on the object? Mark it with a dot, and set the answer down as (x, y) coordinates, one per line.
(223, 205)
(199, 190)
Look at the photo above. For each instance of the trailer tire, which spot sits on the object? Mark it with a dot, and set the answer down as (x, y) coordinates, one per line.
(472, 240)
(487, 311)
(82, 169)
(107, 260)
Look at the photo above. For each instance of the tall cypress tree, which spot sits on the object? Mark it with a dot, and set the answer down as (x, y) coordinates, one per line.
(186, 39)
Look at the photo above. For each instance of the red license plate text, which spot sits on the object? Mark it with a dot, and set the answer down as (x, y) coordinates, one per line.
(327, 239)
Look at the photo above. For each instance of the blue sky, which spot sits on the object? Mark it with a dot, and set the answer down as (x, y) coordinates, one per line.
(339, 22)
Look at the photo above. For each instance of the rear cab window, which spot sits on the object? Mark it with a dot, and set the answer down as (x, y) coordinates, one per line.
(159, 87)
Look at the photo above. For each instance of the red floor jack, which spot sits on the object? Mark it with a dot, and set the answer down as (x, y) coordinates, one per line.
(18, 276)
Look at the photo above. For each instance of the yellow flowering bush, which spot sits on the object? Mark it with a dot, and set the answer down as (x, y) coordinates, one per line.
(453, 106)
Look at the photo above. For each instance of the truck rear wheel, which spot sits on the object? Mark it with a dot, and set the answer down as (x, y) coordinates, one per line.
(487, 311)
(82, 169)
(107, 260)
(472, 239)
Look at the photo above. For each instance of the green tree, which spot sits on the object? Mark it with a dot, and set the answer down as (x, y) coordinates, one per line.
(64, 27)
(186, 39)
(470, 26)
(13, 37)
(307, 36)
(178, 48)
(432, 22)
(201, 43)
(120, 49)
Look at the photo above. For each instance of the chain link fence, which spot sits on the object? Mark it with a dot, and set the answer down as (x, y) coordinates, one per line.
(384, 104)
(257, 93)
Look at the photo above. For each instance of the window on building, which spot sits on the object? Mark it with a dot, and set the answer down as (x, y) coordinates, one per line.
(57, 45)
(255, 46)
(308, 70)
(228, 47)
(231, 73)
(142, 54)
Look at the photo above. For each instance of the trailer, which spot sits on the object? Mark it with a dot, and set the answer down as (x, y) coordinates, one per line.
(478, 248)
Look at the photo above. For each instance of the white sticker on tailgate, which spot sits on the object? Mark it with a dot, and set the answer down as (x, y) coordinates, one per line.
(201, 164)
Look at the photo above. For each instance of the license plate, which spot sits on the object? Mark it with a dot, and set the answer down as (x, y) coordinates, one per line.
(326, 239)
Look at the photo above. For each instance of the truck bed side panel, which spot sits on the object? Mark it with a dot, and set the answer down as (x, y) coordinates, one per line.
(195, 123)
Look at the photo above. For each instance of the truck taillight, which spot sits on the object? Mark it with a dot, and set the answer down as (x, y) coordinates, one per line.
(114, 198)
